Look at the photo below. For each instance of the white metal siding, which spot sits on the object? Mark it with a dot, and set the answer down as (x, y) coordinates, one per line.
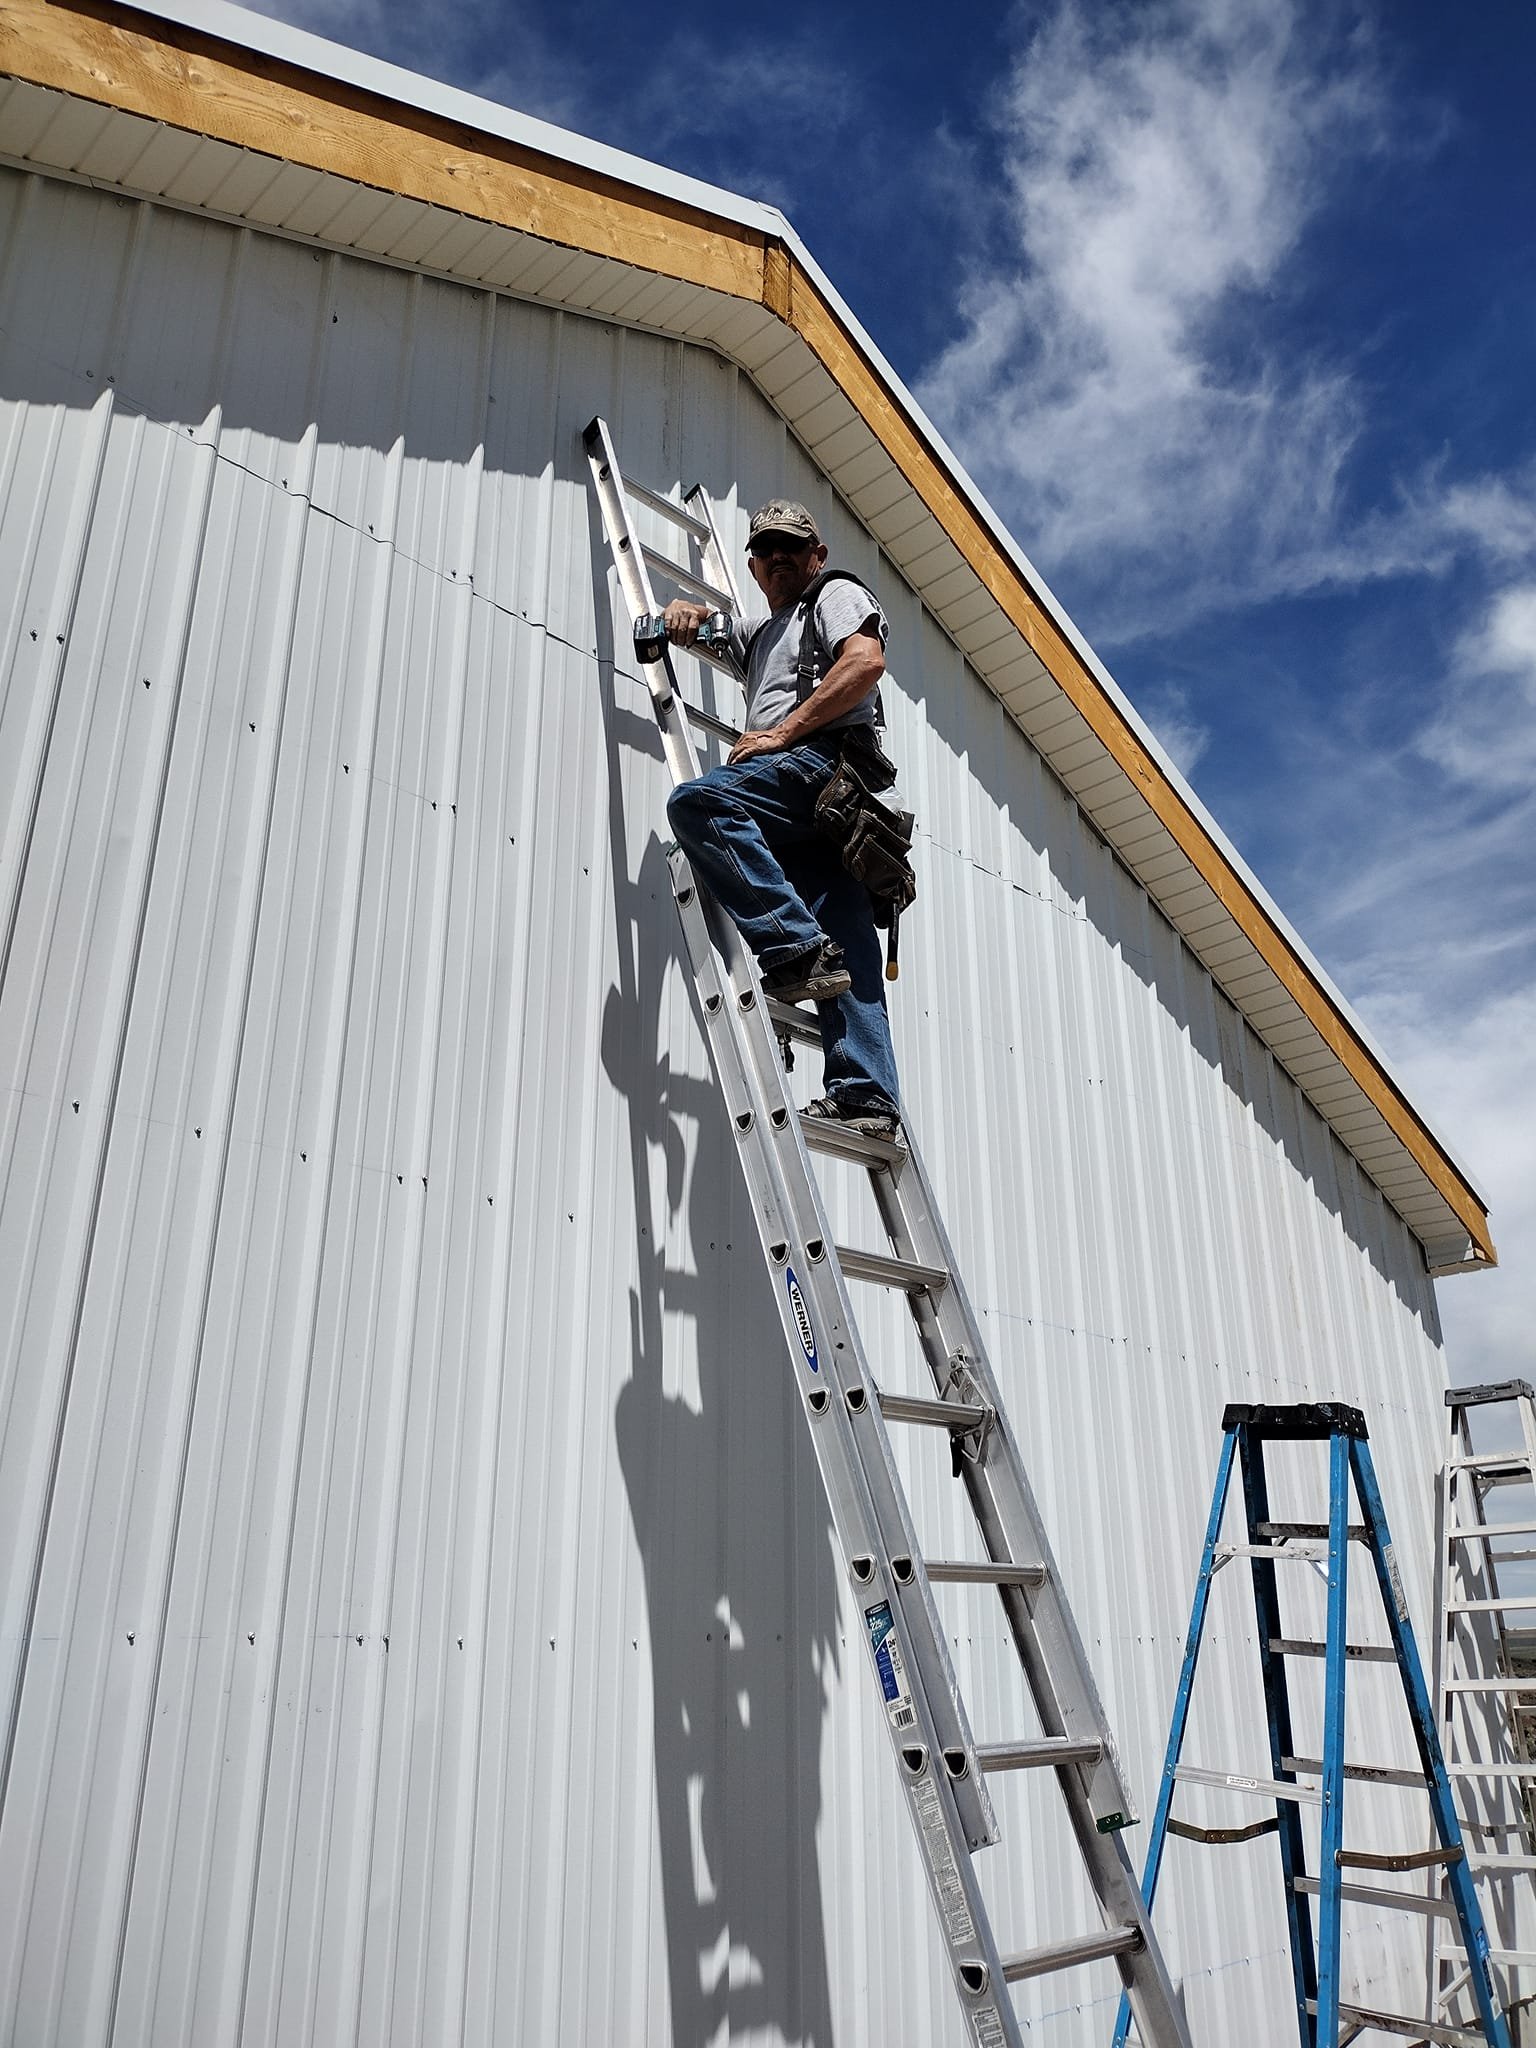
(420, 1621)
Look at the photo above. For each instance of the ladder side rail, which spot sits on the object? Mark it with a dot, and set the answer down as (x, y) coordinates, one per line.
(659, 677)
(826, 1289)
(1459, 1878)
(1443, 1667)
(1330, 1877)
(1463, 1643)
(713, 552)
(1157, 1840)
(1045, 1632)
(915, 1735)
(1484, 1731)
(1277, 1704)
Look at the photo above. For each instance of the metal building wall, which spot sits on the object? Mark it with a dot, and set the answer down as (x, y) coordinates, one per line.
(420, 1622)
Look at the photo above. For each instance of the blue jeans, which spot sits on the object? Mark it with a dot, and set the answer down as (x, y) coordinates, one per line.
(751, 834)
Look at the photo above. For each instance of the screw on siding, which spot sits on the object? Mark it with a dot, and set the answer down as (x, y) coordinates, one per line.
(130, 1638)
(400, 1179)
(197, 1130)
(305, 1157)
(359, 1642)
(146, 682)
(75, 1107)
(252, 1641)
(253, 725)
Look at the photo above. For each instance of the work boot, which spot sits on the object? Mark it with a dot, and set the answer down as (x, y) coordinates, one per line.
(870, 1119)
(815, 976)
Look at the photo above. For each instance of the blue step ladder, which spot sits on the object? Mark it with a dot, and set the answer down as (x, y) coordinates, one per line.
(1315, 1957)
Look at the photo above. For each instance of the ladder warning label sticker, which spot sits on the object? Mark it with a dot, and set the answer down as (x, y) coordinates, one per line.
(1395, 1580)
(890, 1664)
(959, 1927)
(987, 2026)
(802, 1318)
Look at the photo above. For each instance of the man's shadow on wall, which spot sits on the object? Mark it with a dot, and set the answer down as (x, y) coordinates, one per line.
(730, 1520)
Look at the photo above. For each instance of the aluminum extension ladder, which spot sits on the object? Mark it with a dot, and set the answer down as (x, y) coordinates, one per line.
(1324, 2017)
(1485, 1705)
(942, 1770)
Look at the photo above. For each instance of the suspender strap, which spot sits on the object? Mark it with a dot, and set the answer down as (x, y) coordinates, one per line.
(808, 670)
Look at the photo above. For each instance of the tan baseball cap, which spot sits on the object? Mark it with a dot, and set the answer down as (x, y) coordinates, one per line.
(782, 515)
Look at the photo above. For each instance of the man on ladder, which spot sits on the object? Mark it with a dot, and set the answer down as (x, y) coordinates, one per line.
(750, 827)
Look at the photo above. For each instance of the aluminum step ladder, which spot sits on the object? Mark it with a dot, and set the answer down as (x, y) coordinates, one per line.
(942, 1770)
(1325, 2018)
(1485, 1669)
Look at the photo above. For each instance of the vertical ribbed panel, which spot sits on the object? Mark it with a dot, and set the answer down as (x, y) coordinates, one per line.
(421, 1623)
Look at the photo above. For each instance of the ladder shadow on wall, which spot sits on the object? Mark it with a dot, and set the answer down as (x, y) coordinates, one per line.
(729, 1518)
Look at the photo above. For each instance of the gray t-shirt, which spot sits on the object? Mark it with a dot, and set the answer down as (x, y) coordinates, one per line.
(772, 691)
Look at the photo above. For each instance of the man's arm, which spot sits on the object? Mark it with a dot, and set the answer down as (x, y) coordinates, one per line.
(859, 666)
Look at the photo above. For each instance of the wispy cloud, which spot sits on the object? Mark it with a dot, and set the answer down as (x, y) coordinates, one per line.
(1115, 384)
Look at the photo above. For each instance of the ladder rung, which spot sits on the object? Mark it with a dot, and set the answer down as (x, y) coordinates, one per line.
(1415, 2030)
(720, 727)
(1364, 1774)
(794, 1022)
(826, 1134)
(1490, 1770)
(1381, 1895)
(1362, 1653)
(1473, 1535)
(1491, 1685)
(1492, 1465)
(1501, 1866)
(960, 1416)
(1045, 1754)
(667, 509)
(1065, 1955)
(1294, 1553)
(718, 600)
(1521, 1958)
(1505, 1604)
(945, 1571)
(885, 1271)
(1239, 1781)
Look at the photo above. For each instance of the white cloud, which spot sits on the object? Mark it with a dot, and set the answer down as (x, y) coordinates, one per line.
(1184, 737)
(1474, 1072)
(1115, 384)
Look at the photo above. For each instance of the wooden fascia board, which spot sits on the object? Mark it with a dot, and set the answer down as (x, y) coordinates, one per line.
(188, 80)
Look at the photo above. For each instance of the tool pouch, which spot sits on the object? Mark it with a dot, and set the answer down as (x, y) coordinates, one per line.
(874, 838)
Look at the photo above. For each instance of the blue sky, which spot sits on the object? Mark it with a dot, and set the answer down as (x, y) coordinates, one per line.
(1229, 306)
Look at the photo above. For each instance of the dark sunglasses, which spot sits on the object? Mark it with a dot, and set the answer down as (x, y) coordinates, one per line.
(778, 544)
